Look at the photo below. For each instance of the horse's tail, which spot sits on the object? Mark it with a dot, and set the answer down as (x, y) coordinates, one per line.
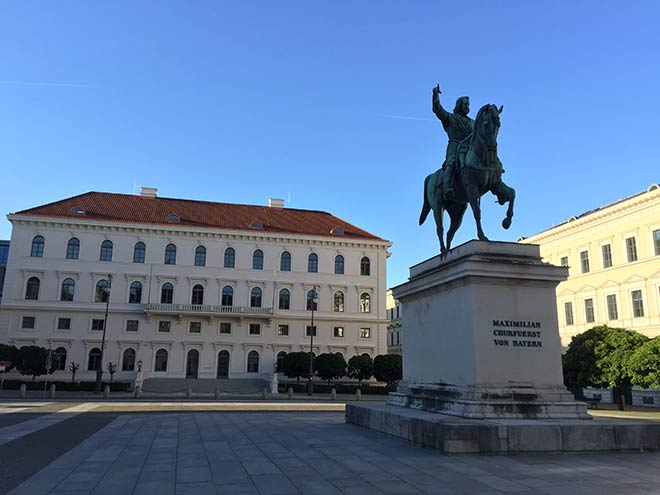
(426, 208)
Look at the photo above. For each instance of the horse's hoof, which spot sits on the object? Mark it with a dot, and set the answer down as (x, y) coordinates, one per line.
(506, 223)
(483, 238)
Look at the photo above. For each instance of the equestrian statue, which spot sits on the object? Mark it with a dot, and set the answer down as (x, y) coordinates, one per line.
(470, 170)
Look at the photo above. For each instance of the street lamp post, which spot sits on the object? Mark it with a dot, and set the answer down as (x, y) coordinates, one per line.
(99, 371)
(312, 330)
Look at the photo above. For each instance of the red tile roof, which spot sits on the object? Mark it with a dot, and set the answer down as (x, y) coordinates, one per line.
(125, 208)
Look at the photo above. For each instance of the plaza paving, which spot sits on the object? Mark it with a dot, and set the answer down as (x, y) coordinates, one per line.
(108, 449)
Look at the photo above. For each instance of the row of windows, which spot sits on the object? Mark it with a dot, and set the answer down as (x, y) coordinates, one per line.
(195, 327)
(68, 290)
(140, 249)
(606, 253)
(637, 301)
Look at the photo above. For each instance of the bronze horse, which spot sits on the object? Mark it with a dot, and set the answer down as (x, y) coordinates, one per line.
(479, 170)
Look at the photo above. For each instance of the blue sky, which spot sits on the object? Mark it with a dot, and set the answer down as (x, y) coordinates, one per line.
(328, 103)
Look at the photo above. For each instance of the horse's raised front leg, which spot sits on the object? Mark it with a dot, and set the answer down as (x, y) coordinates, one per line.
(505, 194)
(475, 204)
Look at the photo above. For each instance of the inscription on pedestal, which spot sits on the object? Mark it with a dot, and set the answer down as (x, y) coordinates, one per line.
(519, 338)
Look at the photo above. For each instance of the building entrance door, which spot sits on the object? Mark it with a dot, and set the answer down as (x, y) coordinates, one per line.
(192, 363)
(223, 364)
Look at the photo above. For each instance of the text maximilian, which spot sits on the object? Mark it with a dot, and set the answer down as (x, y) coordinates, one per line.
(516, 324)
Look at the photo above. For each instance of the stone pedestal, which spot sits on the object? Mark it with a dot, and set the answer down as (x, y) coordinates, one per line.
(481, 335)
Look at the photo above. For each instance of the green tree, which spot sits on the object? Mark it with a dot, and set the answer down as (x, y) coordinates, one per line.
(645, 364)
(330, 366)
(296, 365)
(388, 368)
(8, 353)
(602, 357)
(31, 360)
(360, 368)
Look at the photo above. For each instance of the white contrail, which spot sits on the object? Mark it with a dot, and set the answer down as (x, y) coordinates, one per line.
(55, 84)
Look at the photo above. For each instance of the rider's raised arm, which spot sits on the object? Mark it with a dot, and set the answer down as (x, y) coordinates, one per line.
(440, 112)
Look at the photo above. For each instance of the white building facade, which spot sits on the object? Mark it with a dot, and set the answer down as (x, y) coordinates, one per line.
(196, 289)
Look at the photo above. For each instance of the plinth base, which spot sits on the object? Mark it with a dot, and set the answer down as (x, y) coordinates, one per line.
(453, 435)
(522, 401)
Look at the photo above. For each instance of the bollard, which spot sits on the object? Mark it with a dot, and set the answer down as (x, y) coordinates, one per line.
(333, 393)
(23, 390)
(137, 393)
(264, 396)
(216, 395)
(358, 394)
(289, 391)
(188, 393)
(52, 391)
(106, 391)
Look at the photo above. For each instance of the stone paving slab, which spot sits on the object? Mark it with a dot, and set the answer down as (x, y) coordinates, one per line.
(282, 453)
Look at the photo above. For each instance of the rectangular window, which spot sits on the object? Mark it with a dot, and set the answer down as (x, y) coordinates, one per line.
(254, 329)
(338, 332)
(589, 310)
(563, 261)
(97, 324)
(64, 323)
(225, 328)
(656, 241)
(28, 322)
(647, 400)
(584, 261)
(195, 327)
(638, 303)
(365, 333)
(310, 331)
(283, 330)
(164, 326)
(607, 255)
(568, 313)
(631, 249)
(132, 325)
(612, 311)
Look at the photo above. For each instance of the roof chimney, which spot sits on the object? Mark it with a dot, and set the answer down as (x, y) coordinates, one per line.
(275, 203)
(148, 192)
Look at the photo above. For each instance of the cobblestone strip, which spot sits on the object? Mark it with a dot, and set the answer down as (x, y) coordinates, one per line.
(9, 433)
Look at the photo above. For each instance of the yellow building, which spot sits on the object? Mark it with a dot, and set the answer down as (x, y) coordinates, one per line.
(394, 328)
(613, 255)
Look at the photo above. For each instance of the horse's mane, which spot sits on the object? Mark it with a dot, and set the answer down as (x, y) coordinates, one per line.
(480, 114)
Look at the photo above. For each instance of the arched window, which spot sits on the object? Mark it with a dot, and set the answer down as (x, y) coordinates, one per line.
(285, 299)
(258, 260)
(253, 362)
(102, 290)
(365, 303)
(312, 300)
(280, 359)
(68, 289)
(227, 296)
(170, 254)
(313, 263)
(135, 293)
(94, 361)
(198, 295)
(200, 256)
(139, 251)
(73, 249)
(285, 261)
(167, 293)
(230, 258)
(32, 289)
(365, 266)
(223, 364)
(59, 359)
(338, 302)
(339, 264)
(255, 297)
(37, 247)
(161, 360)
(106, 251)
(128, 360)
